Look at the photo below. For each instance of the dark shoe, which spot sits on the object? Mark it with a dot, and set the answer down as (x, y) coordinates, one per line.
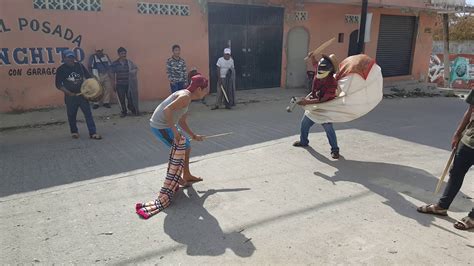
(95, 136)
(123, 115)
(95, 106)
(106, 105)
(215, 108)
(298, 144)
(335, 155)
(228, 107)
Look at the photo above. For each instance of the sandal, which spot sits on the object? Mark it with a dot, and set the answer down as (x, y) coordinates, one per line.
(183, 183)
(95, 136)
(75, 135)
(465, 223)
(431, 209)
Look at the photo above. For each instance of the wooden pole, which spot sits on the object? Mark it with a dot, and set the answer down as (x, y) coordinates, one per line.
(363, 21)
(448, 164)
(447, 62)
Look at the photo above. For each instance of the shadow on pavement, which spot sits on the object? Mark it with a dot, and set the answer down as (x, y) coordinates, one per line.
(178, 216)
(32, 159)
(389, 181)
(190, 224)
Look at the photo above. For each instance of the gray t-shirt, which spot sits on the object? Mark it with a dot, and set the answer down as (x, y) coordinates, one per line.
(468, 135)
(158, 119)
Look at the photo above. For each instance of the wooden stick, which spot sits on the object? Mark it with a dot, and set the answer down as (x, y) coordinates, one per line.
(225, 94)
(448, 164)
(218, 135)
(320, 48)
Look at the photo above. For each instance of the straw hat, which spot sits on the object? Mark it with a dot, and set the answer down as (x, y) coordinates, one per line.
(91, 90)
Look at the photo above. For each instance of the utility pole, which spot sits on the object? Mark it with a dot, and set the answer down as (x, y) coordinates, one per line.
(447, 62)
(363, 21)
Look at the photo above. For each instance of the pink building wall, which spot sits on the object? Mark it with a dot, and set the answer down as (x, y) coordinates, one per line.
(148, 39)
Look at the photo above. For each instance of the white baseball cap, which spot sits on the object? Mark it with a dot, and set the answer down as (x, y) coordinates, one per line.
(227, 51)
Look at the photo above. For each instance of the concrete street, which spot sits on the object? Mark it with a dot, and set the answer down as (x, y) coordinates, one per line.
(262, 201)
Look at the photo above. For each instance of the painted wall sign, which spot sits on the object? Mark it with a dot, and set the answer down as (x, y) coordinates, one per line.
(462, 70)
(40, 59)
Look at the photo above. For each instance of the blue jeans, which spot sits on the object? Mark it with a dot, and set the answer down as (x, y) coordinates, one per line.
(177, 86)
(73, 103)
(307, 123)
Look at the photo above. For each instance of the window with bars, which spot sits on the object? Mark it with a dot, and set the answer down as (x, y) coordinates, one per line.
(301, 15)
(76, 5)
(162, 9)
(352, 19)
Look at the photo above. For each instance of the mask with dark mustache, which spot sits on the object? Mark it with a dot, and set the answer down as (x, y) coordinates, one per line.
(325, 67)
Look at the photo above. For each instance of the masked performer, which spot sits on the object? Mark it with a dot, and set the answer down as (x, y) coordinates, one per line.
(324, 89)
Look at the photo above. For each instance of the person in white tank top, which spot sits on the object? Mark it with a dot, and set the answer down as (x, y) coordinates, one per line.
(169, 118)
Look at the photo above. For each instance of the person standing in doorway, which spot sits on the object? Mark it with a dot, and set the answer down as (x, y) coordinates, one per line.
(225, 80)
(126, 83)
(100, 66)
(69, 79)
(176, 70)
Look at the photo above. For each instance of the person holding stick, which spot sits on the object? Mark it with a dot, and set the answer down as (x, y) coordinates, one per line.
(324, 89)
(463, 145)
(169, 118)
(225, 81)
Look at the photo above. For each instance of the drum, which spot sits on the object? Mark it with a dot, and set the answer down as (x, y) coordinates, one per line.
(92, 90)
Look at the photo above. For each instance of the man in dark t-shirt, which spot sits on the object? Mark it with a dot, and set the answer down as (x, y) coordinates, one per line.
(463, 143)
(69, 79)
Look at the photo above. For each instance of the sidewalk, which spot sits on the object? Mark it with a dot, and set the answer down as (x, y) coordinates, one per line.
(57, 116)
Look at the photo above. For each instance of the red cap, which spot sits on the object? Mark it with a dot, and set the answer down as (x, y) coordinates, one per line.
(197, 81)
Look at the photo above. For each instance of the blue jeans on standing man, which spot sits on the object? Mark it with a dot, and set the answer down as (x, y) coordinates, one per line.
(73, 103)
(307, 123)
(177, 86)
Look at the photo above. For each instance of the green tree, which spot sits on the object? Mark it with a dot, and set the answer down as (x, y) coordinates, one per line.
(461, 27)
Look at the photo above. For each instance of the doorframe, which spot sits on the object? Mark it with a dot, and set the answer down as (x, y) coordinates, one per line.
(281, 37)
(287, 49)
(350, 34)
(413, 44)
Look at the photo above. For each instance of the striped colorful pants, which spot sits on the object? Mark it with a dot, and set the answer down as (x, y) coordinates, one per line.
(171, 184)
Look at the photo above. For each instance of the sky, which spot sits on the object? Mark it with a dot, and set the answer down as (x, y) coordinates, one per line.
(470, 2)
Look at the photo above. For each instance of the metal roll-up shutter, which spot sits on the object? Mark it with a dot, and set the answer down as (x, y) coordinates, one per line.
(395, 44)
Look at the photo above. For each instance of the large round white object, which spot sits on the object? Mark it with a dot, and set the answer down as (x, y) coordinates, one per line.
(358, 96)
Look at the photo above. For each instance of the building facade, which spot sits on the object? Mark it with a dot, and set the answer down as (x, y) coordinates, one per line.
(268, 39)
